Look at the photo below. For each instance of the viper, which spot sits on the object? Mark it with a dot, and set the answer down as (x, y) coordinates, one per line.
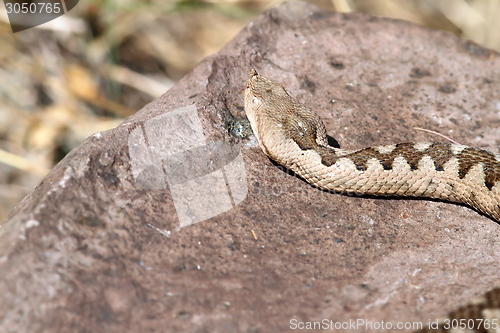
(294, 136)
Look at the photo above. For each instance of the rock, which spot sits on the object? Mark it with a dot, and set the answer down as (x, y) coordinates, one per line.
(169, 223)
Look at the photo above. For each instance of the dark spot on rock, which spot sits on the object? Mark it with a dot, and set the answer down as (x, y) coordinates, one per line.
(179, 268)
(337, 64)
(346, 17)
(276, 19)
(320, 15)
(309, 85)
(419, 73)
(183, 314)
(233, 246)
(238, 127)
(110, 177)
(477, 50)
(447, 89)
(367, 287)
(91, 222)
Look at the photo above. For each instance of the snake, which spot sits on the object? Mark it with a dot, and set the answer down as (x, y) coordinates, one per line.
(294, 136)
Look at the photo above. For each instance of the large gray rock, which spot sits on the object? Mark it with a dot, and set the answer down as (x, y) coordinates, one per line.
(169, 223)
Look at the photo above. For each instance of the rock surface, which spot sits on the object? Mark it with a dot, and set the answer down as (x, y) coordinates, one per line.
(169, 223)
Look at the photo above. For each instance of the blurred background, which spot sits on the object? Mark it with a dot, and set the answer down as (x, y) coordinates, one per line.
(88, 70)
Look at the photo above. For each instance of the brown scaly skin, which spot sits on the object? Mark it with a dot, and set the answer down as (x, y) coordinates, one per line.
(295, 137)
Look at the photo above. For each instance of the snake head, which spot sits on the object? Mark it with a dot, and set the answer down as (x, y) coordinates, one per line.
(261, 87)
(277, 119)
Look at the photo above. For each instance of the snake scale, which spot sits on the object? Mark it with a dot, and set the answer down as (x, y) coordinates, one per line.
(295, 137)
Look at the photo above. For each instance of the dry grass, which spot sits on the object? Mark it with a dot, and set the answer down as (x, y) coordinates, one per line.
(86, 71)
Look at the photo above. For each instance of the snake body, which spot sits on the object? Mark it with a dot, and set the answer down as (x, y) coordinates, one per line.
(294, 136)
